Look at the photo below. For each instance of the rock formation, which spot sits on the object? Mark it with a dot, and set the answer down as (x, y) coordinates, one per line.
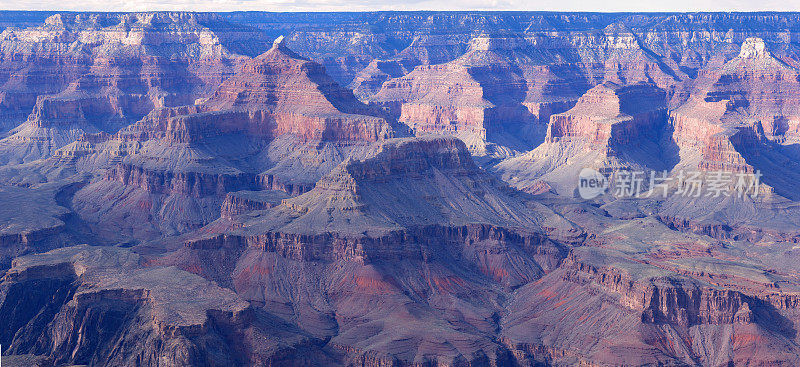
(611, 127)
(84, 73)
(180, 189)
(82, 302)
(413, 203)
(740, 108)
(277, 110)
(482, 96)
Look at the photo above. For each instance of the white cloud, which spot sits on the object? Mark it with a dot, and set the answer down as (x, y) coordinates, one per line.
(366, 5)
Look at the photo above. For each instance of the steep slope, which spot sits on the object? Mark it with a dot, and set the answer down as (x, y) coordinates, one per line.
(84, 73)
(612, 127)
(278, 123)
(423, 50)
(89, 305)
(413, 235)
(494, 95)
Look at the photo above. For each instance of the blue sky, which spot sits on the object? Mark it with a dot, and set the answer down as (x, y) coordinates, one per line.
(366, 5)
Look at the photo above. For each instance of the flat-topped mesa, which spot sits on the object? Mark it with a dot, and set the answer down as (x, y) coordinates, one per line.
(396, 159)
(611, 115)
(754, 48)
(679, 301)
(241, 202)
(50, 112)
(415, 157)
(105, 297)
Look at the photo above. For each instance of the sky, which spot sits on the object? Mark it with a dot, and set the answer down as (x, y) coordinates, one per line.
(373, 5)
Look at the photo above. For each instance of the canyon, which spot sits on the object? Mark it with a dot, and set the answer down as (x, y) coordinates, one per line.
(399, 189)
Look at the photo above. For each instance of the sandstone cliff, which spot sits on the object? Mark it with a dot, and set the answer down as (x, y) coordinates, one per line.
(262, 215)
(255, 132)
(82, 302)
(108, 70)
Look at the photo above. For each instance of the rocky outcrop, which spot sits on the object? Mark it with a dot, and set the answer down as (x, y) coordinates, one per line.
(611, 128)
(82, 303)
(277, 110)
(241, 202)
(738, 108)
(674, 301)
(479, 95)
(610, 117)
(101, 72)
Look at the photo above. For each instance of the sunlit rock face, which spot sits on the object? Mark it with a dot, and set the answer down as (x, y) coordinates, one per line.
(278, 123)
(86, 73)
(399, 189)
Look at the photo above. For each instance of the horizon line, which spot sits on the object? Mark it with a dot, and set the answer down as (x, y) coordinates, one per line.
(406, 11)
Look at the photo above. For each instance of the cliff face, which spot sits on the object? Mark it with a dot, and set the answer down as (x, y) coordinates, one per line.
(493, 93)
(610, 128)
(107, 71)
(610, 117)
(677, 302)
(651, 295)
(241, 202)
(505, 85)
(277, 109)
(276, 93)
(417, 203)
(423, 50)
(694, 39)
(84, 301)
(258, 212)
(741, 116)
